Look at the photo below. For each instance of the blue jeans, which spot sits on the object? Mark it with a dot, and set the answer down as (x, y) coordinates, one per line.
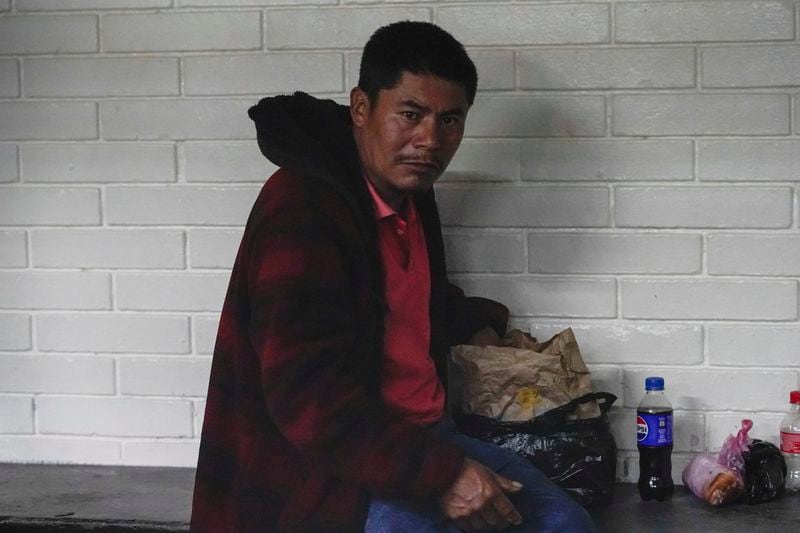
(543, 505)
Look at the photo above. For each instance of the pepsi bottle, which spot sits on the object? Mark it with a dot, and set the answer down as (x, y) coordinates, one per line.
(654, 440)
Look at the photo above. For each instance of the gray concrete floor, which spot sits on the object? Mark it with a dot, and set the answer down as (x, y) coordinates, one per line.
(38, 498)
(99, 498)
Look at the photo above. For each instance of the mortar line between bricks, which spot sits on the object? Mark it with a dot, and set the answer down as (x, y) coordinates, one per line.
(179, 163)
(704, 255)
(795, 208)
(262, 30)
(117, 377)
(33, 340)
(612, 23)
(181, 77)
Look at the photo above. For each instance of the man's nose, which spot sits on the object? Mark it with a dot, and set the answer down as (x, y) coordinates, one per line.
(428, 135)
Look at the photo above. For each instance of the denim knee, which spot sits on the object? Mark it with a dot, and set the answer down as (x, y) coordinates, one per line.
(569, 519)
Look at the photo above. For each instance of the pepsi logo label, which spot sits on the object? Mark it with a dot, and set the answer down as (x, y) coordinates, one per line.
(641, 429)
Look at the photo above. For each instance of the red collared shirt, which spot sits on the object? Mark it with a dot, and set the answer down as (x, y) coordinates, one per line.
(410, 386)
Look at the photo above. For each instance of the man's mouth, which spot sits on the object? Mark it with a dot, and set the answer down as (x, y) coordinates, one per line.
(421, 163)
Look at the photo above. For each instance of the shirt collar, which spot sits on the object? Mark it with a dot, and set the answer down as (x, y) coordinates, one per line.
(384, 210)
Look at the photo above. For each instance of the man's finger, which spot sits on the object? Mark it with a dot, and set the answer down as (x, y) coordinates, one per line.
(477, 523)
(506, 510)
(508, 485)
(494, 519)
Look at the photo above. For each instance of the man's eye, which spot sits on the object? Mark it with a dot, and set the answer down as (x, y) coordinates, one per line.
(410, 115)
(450, 121)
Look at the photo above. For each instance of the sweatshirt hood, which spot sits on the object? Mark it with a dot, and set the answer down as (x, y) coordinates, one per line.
(308, 136)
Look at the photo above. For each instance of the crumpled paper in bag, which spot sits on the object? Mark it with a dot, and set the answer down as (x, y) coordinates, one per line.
(517, 378)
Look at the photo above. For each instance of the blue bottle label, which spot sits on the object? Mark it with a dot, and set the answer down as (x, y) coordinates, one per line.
(654, 429)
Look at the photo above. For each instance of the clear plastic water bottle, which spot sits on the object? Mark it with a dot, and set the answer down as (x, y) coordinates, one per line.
(790, 442)
(654, 440)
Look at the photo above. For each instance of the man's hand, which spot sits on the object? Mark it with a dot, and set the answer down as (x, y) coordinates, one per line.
(476, 501)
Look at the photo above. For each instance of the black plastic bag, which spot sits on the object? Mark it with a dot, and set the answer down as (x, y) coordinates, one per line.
(580, 456)
(764, 472)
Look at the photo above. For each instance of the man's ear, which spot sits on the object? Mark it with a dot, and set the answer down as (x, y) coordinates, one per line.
(359, 106)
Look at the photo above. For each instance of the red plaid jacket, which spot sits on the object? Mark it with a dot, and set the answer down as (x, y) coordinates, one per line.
(295, 437)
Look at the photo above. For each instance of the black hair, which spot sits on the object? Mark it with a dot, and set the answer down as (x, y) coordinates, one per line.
(418, 48)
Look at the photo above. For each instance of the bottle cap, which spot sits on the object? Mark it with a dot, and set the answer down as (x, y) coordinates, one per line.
(654, 383)
(794, 396)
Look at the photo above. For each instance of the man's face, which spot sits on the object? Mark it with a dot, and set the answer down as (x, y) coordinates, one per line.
(407, 137)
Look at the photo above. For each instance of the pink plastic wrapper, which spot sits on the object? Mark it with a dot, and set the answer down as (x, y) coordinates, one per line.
(718, 480)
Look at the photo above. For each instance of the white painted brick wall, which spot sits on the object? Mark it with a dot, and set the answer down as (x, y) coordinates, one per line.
(57, 374)
(701, 114)
(263, 73)
(213, 248)
(98, 162)
(48, 34)
(573, 160)
(175, 119)
(15, 331)
(769, 66)
(234, 30)
(485, 252)
(113, 417)
(537, 116)
(704, 207)
(16, 414)
(171, 292)
(709, 299)
(64, 5)
(332, 28)
(759, 255)
(101, 77)
(113, 332)
(8, 163)
(711, 20)
(101, 248)
(13, 249)
(205, 333)
(519, 25)
(754, 345)
(777, 160)
(484, 160)
(152, 206)
(602, 253)
(164, 376)
(29, 206)
(629, 170)
(214, 161)
(9, 78)
(23, 289)
(525, 206)
(607, 68)
(28, 121)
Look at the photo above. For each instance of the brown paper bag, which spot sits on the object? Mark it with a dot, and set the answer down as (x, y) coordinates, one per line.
(517, 378)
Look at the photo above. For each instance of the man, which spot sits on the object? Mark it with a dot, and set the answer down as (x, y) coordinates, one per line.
(326, 402)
